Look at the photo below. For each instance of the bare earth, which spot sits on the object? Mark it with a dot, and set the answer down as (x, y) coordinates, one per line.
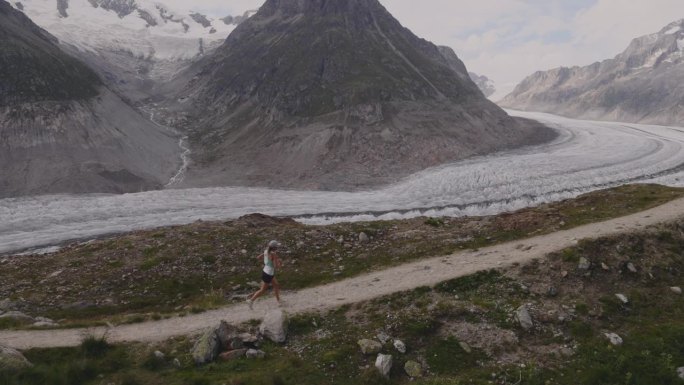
(427, 272)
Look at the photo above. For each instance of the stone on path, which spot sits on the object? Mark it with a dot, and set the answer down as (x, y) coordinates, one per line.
(369, 346)
(274, 326)
(384, 364)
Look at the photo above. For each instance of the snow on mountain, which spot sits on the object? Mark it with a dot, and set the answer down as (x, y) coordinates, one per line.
(145, 28)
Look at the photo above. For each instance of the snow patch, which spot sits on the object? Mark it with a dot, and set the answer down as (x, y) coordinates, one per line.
(673, 30)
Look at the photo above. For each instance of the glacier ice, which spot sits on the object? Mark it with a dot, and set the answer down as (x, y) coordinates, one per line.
(586, 156)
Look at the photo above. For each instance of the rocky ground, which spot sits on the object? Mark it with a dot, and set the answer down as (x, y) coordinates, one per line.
(606, 311)
(173, 271)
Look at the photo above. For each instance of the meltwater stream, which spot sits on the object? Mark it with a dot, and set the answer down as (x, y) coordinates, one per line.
(586, 156)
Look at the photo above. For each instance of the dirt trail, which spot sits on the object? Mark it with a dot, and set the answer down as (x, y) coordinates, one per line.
(426, 272)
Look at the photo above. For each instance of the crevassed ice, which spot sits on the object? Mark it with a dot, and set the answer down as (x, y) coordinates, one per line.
(586, 156)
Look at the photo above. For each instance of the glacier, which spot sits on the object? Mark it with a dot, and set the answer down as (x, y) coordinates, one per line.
(586, 156)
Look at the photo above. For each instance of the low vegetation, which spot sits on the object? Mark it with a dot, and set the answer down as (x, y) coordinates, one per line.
(172, 271)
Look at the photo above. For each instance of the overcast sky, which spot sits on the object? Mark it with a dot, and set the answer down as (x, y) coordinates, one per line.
(507, 40)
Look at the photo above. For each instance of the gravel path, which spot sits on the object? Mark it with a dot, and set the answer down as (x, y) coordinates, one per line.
(426, 272)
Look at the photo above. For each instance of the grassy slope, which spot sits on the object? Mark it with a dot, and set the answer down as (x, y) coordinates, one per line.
(152, 274)
(566, 346)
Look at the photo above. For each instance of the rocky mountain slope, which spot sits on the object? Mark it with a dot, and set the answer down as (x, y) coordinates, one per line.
(61, 130)
(485, 84)
(144, 41)
(333, 94)
(643, 84)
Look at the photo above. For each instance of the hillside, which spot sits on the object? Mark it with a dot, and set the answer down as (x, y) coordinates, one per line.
(330, 95)
(643, 84)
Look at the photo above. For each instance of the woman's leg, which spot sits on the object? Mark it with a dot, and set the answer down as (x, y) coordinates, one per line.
(276, 288)
(260, 292)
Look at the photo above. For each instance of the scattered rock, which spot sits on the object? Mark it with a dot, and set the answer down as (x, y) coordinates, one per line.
(207, 348)
(615, 339)
(400, 346)
(18, 317)
(11, 359)
(384, 364)
(369, 346)
(233, 354)
(584, 264)
(253, 353)
(227, 335)
(466, 348)
(623, 298)
(248, 338)
(55, 274)
(6, 305)
(159, 355)
(413, 369)
(680, 372)
(274, 326)
(363, 237)
(522, 315)
(605, 267)
(632, 268)
(564, 274)
(176, 363)
(552, 292)
(383, 338)
(340, 240)
(676, 290)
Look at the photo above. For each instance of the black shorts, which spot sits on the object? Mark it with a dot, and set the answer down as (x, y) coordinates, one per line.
(266, 277)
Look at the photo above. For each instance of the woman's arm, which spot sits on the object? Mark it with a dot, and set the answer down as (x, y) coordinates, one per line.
(278, 262)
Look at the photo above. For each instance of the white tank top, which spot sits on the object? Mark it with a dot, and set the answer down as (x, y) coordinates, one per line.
(269, 268)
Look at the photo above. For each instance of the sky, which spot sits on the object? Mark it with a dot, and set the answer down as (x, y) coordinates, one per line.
(508, 40)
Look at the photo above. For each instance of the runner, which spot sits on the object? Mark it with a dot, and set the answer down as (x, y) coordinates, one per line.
(271, 261)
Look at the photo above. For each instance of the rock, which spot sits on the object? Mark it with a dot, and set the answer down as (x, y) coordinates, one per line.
(18, 317)
(615, 339)
(564, 274)
(383, 338)
(363, 237)
(235, 343)
(623, 298)
(207, 348)
(584, 264)
(6, 305)
(676, 290)
(466, 348)
(159, 355)
(680, 372)
(552, 292)
(369, 346)
(55, 274)
(413, 369)
(400, 346)
(176, 363)
(522, 315)
(41, 324)
(232, 355)
(384, 364)
(11, 359)
(274, 326)
(631, 267)
(340, 240)
(253, 353)
(248, 338)
(227, 333)
(605, 267)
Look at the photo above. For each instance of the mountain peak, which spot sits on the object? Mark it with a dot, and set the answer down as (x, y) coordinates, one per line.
(320, 7)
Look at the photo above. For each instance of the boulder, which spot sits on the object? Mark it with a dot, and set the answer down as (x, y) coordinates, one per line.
(614, 339)
(522, 315)
(384, 364)
(227, 334)
(369, 346)
(274, 326)
(584, 264)
(383, 337)
(18, 317)
(400, 346)
(254, 353)
(11, 359)
(363, 237)
(623, 298)
(413, 369)
(159, 355)
(233, 355)
(207, 348)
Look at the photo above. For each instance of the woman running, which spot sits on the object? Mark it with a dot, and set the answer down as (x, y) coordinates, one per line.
(271, 261)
